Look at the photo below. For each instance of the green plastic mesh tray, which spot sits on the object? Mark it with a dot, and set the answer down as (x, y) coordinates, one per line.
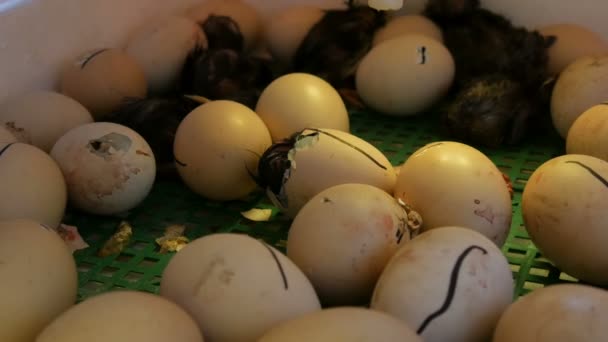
(140, 265)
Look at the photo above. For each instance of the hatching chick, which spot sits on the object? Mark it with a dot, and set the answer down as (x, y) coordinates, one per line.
(500, 72)
(156, 120)
(335, 45)
(226, 74)
(223, 32)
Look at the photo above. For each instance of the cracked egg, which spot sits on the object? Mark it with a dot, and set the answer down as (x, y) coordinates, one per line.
(453, 184)
(109, 168)
(294, 170)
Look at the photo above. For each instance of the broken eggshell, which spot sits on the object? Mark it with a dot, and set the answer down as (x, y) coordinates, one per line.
(294, 170)
(109, 168)
(370, 226)
(453, 184)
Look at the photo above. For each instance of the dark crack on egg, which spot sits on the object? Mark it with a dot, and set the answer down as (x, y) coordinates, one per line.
(422, 54)
(91, 57)
(109, 144)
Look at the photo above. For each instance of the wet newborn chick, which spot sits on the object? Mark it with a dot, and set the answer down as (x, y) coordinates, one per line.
(335, 45)
(501, 73)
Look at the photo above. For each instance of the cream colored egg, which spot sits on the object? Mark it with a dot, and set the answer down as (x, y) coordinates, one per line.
(32, 185)
(39, 279)
(408, 24)
(453, 184)
(109, 168)
(322, 158)
(161, 48)
(297, 101)
(582, 85)
(102, 79)
(342, 324)
(237, 287)
(405, 75)
(449, 284)
(573, 42)
(556, 313)
(6, 136)
(287, 28)
(123, 316)
(41, 117)
(589, 133)
(565, 210)
(217, 148)
(342, 239)
(243, 13)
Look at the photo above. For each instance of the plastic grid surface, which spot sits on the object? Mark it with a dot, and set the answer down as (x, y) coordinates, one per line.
(140, 265)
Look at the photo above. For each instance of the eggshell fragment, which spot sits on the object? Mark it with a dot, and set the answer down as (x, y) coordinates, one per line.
(322, 158)
(229, 280)
(565, 210)
(123, 316)
(297, 101)
(244, 14)
(32, 185)
(286, 29)
(217, 148)
(453, 184)
(342, 239)
(342, 324)
(161, 48)
(406, 75)
(589, 133)
(408, 24)
(572, 42)
(109, 168)
(582, 85)
(39, 279)
(450, 284)
(556, 313)
(40, 118)
(102, 79)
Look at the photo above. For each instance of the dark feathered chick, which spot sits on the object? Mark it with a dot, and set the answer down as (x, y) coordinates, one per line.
(223, 32)
(501, 73)
(226, 74)
(156, 120)
(334, 46)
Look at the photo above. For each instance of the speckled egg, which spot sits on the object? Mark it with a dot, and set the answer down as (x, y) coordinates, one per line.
(109, 168)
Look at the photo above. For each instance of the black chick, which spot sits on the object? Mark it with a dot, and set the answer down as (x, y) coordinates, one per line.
(223, 32)
(501, 73)
(156, 120)
(226, 74)
(335, 45)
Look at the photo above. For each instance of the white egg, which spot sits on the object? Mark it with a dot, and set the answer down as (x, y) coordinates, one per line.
(109, 168)
(161, 48)
(41, 117)
(565, 210)
(102, 79)
(408, 24)
(589, 133)
(450, 284)
(556, 313)
(32, 185)
(406, 75)
(287, 28)
(322, 158)
(7, 136)
(453, 184)
(217, 147)
(39, 279)
(123, 316)
(237, 287)
(342, 324)
(582, 85)
(344, 236)
(297, 101)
